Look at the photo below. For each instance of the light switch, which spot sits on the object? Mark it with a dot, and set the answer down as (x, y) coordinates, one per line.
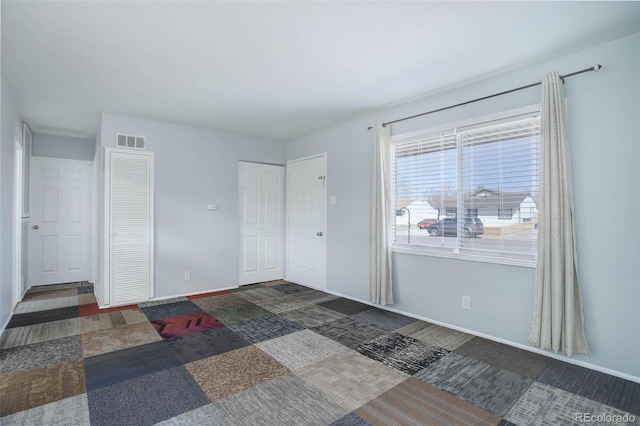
(332, 200)
(212, 207)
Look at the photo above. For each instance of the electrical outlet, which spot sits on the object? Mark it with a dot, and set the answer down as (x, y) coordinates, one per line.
(466, 302)
(187, 276)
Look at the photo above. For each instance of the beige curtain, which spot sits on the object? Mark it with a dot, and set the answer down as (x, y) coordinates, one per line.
(380, 288)
(557, 317)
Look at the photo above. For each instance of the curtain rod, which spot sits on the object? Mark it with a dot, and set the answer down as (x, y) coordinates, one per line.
(594, 68)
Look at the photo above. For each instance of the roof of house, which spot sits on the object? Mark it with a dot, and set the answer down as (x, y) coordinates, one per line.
(485, 199)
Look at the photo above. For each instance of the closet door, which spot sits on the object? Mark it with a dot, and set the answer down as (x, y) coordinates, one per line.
(130, 217)
(261, 222)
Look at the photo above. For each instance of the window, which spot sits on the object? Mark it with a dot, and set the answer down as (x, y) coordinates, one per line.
(487, 169)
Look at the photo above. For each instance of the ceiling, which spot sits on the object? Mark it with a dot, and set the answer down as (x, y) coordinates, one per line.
(272, 69)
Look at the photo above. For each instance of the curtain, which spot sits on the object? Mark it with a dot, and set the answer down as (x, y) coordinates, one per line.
(557, 318)
(380, 288)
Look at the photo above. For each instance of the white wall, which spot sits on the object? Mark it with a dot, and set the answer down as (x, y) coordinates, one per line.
(57, 146)
(603, 111)
(194, 167)
(11, 132)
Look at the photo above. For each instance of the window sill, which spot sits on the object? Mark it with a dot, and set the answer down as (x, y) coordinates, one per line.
(474, 257)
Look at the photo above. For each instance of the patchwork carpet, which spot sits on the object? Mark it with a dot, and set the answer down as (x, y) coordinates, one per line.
(277, 353)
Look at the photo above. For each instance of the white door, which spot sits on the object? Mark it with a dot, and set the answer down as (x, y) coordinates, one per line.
(306, 218)
(129, 207)
(59, 249)
(261, 222)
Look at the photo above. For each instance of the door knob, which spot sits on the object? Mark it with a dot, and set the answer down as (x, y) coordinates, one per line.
(35, 227)
(319, 234)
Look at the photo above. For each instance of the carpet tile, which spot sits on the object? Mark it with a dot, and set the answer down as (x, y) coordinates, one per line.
(351, 419)
(86, 298)
(285, 401)
(282, 304)
(613, 391)
(206, 344)
(243, 288)
(146, 400)
(519, 361)
(345, 306)
(114, 339)
(301, 349)
(349, 332)
(182, 325)
(312, 316)
(413, 402)
(481, 384)
(546, 405)
(207, 415)
(47, 305)
(39, 317)
(407, 330)
(239, 313)
(441, 336)
(260, 294)
(291, 288)
(51, 294)
(85, 290)
(126, 364)
(39, 288)
(111, 320)
(264, 328)
(94, 309)
(223, 301)
(169, 310)
(37, 333)
(273, 283)
(388, 320)
(162, 302)
(30, 389)
(403, 353)
(30, 357)
(315, 296)
(350, 379)
(68, 411)
(232, 372)
(208, 294)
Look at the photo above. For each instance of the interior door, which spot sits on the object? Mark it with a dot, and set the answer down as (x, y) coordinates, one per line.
(306, 221)
(130, 219)
(61, 211)
(261, 222)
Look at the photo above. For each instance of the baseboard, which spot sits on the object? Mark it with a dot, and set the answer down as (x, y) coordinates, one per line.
(6, 323)
(539, 351)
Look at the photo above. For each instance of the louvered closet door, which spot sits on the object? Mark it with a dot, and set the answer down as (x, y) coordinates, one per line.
(130, 226)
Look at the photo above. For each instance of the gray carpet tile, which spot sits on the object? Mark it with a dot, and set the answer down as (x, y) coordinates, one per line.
(613, 391)
(351, 419)
(290, 288)
(46, 304)
(301, 349)
(30, 357)
(264, 328)
(312, 316)
(68, 411)
(193, 347)
(146, 400)
(78, 284)
(126, 364)
(388, 320)
(547, 405)
(239, 313)
(286, 400)
(260, 294)
(346, 306)
(42, 316)
(162, 302)
(441, 336)
(207, 415)
(479, 383)
(52, 294)
(519, 361)
(407, 330)
(221, 301)
(349, 332)
(504, 422)
(36, 333)
(246, 287)
(282, 304)
(315, 296)
(403, 353)
(169, 310)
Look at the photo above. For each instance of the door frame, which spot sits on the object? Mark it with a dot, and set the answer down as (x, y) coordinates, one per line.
(324, 213)
(17, 223)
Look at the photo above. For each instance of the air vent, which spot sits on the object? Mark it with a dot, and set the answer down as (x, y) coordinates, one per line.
(129, 141)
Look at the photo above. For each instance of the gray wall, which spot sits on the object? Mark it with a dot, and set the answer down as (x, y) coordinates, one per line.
(11, 131)
(194, 167)
(56, 146)
(603, 110)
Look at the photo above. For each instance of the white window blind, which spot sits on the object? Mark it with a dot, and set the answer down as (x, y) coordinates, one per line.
(478, 182)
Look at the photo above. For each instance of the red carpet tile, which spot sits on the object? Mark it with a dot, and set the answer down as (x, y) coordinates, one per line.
(185, 324)
(93, 309)
(201, 295)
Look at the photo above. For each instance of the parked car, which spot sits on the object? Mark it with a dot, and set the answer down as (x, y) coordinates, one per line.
(449, 227)
(425, 223)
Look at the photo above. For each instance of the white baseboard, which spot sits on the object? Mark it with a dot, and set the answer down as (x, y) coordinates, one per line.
(500, 340)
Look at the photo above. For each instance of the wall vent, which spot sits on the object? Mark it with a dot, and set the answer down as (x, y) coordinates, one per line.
(129, 141)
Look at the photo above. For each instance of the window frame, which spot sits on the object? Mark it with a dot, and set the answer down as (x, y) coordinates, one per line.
(512, 259)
